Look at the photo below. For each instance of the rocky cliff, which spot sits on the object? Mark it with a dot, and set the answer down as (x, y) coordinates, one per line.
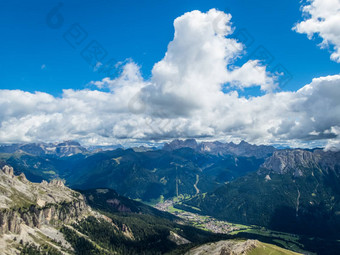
(28, 209)
(297, 161)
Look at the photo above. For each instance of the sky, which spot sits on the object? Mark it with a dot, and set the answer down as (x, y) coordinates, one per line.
(263, 71)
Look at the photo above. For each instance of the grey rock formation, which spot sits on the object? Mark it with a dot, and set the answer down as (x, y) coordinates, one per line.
(33, 204)
(177, 144)
(217, 148)
(296, 161)
(229, 247)
(64, 149)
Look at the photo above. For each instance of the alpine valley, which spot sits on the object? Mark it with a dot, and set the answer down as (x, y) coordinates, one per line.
(186, 197)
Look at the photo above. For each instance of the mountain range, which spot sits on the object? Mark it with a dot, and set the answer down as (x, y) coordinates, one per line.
(243, 149)
(290, 190)
(50, 218)
(145, 174)
(63, 149)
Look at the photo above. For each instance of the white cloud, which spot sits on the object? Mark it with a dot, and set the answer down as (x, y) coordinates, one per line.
(184, 98)
(322, 17)
(252, 74)
(310, 114)
(197, 64)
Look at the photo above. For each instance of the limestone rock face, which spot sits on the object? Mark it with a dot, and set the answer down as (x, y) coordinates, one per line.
(23, 178)
(8, 170)
(9, 222)
(34, 204)
(177, 144)
(297, 160)
(57, 183)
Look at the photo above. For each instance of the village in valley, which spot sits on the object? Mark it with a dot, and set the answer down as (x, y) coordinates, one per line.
(199, 221)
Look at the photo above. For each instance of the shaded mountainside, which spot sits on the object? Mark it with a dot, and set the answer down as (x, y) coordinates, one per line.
(144, 175)
(296, 191)
(108, 200)
(149, 175)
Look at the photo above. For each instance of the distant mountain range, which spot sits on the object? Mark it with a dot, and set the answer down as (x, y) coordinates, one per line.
(63, 149)
(143, 173)
(242, 149)
(291, 190)
(50, 218)
(70, 148)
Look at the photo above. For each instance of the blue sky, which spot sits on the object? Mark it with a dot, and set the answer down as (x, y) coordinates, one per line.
(35, 57)
(182, 74)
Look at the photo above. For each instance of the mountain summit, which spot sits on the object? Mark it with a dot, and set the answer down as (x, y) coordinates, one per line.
(243, 149)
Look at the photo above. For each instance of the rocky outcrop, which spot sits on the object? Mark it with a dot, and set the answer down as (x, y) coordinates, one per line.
(177, 239)
(177, 144)
(8, 170)
(33, 204)
(57, 183)
(11, 219)
(296, 161)
(239, 247)
(229, 247)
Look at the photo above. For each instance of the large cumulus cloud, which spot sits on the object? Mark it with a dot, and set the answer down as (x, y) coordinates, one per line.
(185, 97)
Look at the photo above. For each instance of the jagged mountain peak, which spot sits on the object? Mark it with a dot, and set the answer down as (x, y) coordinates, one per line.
(59, 149)
(218, 148)
(177, 144)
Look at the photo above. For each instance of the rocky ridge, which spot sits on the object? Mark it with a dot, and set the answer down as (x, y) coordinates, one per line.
(30, 211)
(297, 160)
(217, 148)
(238, 247)
(63, 149)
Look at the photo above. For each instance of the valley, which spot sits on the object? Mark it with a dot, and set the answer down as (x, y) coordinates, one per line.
(288, 198)
(170, 127)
